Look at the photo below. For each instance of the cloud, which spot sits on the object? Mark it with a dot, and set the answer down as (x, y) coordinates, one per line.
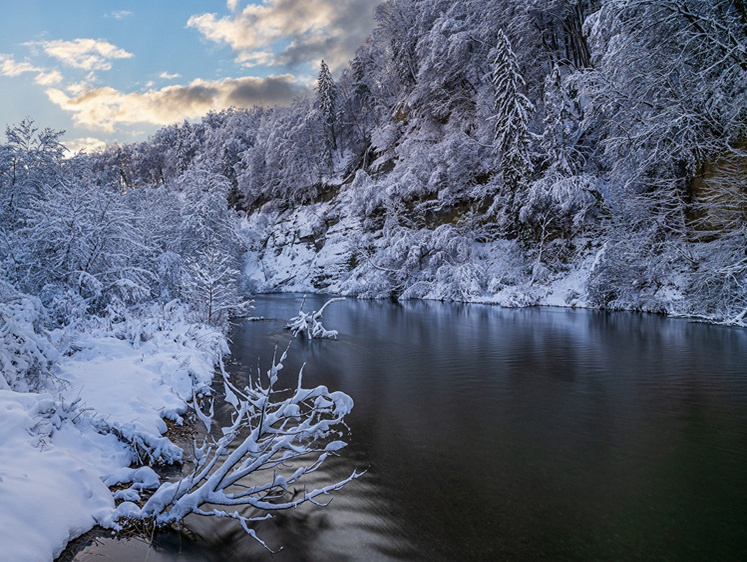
(167, 76)
(87, 54)
(119, 14)
(48, 78)
(291, 32)
(105, 108)
(87, 144)
(10, 67)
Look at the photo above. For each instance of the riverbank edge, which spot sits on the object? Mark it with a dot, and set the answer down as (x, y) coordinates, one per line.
(740, 321)
(181, 436)
(116, 387)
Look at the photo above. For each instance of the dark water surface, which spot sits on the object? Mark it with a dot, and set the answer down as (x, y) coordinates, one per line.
(495, 434)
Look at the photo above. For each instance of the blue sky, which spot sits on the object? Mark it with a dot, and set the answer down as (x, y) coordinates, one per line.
(108, 71)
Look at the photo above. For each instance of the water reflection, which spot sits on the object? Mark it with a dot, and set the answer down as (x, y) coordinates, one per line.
(521, 434)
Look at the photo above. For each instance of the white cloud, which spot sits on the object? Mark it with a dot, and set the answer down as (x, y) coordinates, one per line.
(167, 76)
(232, 5)
(289, 32)
(87, 54)
(10, 67)
(105, 108)
(119, 14)
(48, 78)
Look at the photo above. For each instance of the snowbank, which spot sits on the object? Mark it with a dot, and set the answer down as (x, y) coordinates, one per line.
(57, 450)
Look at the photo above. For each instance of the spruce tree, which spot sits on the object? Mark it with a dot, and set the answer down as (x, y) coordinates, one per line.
(511, 115)
(326, 97)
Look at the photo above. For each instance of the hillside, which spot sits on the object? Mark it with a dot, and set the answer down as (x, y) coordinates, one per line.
(499, 151)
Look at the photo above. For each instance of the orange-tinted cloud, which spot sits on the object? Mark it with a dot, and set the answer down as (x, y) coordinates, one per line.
(105, 108)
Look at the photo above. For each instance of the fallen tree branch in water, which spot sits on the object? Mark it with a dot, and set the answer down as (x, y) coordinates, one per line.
(310, 325)
(275, 439)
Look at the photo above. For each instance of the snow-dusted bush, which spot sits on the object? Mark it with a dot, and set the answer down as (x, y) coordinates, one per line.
(26, 353)
(210, 286)
(718, 285)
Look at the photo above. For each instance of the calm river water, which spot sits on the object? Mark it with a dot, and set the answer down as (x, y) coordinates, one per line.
(494, 434)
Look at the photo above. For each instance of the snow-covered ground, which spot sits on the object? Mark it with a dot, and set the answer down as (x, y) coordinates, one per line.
(60, 449)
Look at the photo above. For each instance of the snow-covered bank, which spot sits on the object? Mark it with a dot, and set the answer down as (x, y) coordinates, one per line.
(324, 248)
(116, 384)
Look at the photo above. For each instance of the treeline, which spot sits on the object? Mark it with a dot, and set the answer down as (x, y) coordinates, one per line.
(75, 244)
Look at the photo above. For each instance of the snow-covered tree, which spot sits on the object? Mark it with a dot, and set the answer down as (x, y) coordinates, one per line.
(85, 237)
(557, 207)
(210, 284)
(562, 127)
(512, 113)
(326, 100)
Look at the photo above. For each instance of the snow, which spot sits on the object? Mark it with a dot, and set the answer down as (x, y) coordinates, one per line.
(50, 486)
(59, 455)
(440, 264)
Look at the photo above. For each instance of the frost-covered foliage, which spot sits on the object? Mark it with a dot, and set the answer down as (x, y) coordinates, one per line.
(117, 377)
(276, 438)
(26, 352)
(83, 238)
(101, 277)
(520, 152)
(326, 101)
(512, 110)
(459, 134)
(557, 135)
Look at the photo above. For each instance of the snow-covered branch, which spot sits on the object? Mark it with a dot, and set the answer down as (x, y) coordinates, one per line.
(275, 439)
(310, 325)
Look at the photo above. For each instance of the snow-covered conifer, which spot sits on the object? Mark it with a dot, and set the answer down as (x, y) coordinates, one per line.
(512, 113)
(561, 127)
(326, 99)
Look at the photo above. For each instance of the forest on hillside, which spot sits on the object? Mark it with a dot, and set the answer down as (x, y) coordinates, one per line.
(586, 153)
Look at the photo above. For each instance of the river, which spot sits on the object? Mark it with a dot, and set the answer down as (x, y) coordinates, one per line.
(519, 434)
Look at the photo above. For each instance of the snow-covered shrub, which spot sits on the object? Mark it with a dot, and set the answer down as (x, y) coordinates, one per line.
(210, 286)
(64, 305)
(556, 207)
(635, 270)
(26, 353)
(718, 285)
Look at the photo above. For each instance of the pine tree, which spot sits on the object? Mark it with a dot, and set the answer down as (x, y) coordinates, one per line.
(511, 115)
(326, 98)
